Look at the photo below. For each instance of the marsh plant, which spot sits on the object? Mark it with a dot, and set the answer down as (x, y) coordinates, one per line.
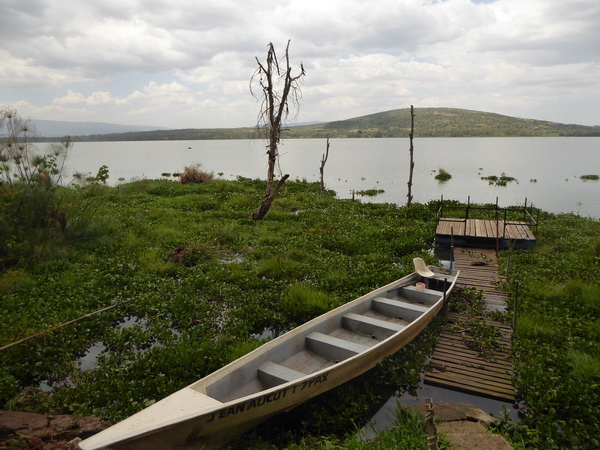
(467, 301)
(370, 192)
(502, 180)
(195, 174)
(443, 175)
(302, 303)
(161, 260)
(38, 207)
(555, 345)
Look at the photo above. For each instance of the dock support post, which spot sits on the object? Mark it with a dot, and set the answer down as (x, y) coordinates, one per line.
(504, 228)
(445, 288)
(497, 230)
(451, 247)
(468, 206)
(516, 305)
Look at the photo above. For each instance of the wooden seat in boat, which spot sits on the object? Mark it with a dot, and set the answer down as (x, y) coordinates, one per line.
(394, 308)
(332, 348)
(369, 326)
(273, 374)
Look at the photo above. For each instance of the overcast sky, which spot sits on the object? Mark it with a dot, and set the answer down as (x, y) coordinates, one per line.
(188, 63)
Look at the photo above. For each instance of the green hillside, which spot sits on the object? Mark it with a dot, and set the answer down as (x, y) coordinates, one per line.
(441, 122)
(429, 122)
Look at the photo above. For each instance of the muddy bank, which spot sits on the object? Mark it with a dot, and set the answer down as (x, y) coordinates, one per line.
(37, 431)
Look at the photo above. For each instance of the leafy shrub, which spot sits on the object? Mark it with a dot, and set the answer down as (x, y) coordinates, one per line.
(443, 175)
(13, 281)
(467, 301)
(503, 180)
(370, 192)
(37, 212)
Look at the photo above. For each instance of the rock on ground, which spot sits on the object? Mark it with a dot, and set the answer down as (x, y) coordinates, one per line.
(37, 431)
(464, 427)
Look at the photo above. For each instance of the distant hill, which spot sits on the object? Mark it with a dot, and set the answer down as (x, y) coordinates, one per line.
(441, 122)
(55, 128)
(429, 122)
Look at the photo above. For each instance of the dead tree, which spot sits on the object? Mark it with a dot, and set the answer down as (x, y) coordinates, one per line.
(322, 168)
(278, 87)
(411, 149)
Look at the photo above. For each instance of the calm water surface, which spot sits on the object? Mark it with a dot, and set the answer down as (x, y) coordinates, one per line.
(359, 164)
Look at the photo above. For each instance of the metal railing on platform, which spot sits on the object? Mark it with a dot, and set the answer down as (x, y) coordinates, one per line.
(509, 216)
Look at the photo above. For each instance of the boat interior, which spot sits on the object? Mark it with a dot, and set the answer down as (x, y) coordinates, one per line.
(328, 340)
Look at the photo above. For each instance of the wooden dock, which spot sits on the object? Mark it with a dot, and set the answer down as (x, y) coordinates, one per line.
(479, 270)
(456, 366)
(484, 233)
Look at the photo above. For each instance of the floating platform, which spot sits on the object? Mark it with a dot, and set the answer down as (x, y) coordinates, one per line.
(481, 233)
(454, 365)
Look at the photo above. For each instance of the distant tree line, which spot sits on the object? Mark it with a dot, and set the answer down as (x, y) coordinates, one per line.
(433, 122)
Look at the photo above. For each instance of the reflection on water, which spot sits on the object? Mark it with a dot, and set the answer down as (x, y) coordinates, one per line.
(90, 356)
(88, 360)
(268, 333)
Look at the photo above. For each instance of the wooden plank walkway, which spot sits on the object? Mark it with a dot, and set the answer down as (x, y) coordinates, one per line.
(455, 366)
(479, 269)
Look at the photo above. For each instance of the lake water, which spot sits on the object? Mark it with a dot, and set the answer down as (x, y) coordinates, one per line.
(360, 164)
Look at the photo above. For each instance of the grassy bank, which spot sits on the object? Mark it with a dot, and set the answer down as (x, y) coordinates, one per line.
(199, 284)
(556, 347)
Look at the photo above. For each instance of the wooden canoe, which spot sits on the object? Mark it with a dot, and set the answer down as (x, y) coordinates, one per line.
(287, 371)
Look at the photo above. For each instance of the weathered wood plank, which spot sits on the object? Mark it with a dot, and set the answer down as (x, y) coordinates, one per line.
(503, 342)
(467, 367)
(471, 388)
(469, 380)
(455, 366)
(480, 229)
(447, 351)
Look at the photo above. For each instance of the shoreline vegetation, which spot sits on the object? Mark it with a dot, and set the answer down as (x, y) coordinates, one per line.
(430, 122)
(199, 284)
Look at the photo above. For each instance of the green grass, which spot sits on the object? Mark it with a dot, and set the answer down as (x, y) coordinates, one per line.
(407, 431)
(206, 280)
(302, 303)
(556, 342)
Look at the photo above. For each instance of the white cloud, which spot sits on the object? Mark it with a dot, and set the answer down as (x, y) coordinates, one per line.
(71, 98)
(194, 59)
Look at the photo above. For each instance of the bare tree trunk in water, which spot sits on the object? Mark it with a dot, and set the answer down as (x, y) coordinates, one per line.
(273, 109)
(412, 162)
(322, 168)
